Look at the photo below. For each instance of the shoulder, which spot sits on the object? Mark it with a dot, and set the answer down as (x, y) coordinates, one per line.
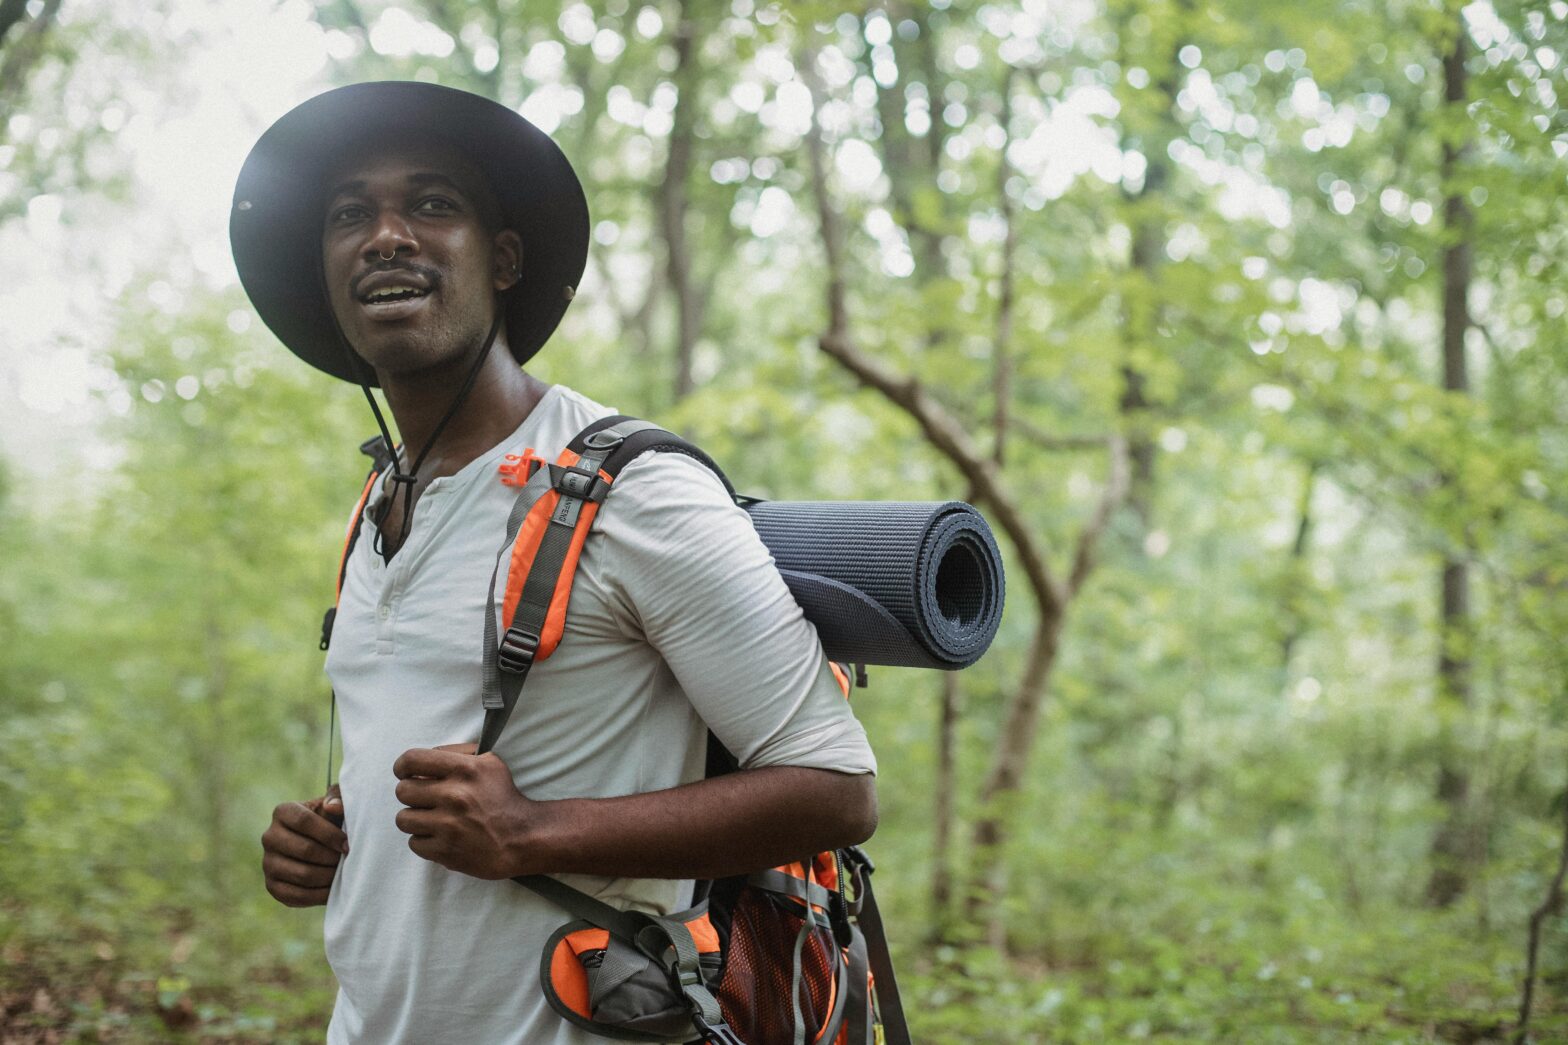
(669, 515)
(666, 476)
(560, 415)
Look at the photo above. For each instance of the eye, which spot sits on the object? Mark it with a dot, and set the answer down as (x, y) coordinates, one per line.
(347, 213)
(436, 205)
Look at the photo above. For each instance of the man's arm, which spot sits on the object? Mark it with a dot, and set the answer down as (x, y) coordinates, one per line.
(465, 813)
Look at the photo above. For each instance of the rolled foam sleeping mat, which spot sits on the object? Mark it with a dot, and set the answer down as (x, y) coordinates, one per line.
(915, 584)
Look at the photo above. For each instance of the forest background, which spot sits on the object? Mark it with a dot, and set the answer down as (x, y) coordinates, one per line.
(1243, 323)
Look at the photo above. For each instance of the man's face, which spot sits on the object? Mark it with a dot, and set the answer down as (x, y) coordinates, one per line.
(412, 257)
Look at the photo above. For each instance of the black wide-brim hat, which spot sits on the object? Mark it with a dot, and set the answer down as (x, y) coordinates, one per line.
(276, 222)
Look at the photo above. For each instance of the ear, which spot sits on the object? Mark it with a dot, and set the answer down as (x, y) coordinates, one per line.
(508, 260)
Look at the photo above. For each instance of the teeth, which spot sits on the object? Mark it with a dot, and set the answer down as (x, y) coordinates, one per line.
(386, 292)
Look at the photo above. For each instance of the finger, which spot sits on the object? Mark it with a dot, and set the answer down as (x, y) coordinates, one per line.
(280, 868)
(420, 822)
(427, 848)
(301, 819)
(427, 762)
(461, 749)
(299, 847)
(332, 805)
(419, 794)
(295, 896)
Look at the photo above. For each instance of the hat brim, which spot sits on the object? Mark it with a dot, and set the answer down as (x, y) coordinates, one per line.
(276, 220)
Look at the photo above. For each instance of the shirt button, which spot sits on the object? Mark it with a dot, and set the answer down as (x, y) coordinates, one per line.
(383, 611)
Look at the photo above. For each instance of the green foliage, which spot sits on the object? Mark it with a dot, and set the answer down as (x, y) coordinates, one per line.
(1225, 830)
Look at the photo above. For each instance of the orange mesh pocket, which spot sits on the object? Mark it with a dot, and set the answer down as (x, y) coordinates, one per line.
(754, 993)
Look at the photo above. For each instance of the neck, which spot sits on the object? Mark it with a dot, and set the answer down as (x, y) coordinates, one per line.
(501, 397)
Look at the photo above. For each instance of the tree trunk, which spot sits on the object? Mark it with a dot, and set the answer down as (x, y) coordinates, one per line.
(1002, 366)
(942, 812)
(1452, 848)
(912, 170)
(674, 197)
(1295, 576)
(1142, 313)
(18, 57)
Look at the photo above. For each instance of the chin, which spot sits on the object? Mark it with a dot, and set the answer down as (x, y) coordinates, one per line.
(412, 354)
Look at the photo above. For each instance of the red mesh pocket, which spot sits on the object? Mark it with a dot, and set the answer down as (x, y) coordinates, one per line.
(754, 993)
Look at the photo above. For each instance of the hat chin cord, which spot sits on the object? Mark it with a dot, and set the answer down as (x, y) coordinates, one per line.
(401, 480)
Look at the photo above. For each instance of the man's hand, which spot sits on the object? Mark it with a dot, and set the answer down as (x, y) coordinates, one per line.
(463, 811)
(301, 849)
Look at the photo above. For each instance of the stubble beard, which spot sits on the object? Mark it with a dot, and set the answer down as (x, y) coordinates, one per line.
(434, 346)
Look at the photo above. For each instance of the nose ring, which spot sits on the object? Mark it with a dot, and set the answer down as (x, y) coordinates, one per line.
(386, 257)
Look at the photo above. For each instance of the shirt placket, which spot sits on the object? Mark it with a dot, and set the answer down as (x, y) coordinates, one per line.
(393, 579)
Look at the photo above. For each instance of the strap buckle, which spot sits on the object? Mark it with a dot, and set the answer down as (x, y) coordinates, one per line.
(715, 1033)
(517, 651)
(857, 856)
(578, 482)
(517, 469)
(378, 451)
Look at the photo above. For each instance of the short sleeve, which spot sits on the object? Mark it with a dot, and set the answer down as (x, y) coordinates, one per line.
(685, 562)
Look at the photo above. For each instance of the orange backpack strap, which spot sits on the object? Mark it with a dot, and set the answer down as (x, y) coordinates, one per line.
(545, 534)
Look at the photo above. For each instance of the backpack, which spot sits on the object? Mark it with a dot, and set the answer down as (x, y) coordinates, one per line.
(782, 956)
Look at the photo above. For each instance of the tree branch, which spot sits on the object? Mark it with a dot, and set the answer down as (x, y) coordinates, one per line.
(1114, 493)
(942, 430)
(1046, 441)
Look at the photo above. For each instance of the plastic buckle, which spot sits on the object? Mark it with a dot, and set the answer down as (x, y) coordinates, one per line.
(853, 854)
(377, 450)
(517, 469)
(715, 1033)
(577, 482)
(517, 651)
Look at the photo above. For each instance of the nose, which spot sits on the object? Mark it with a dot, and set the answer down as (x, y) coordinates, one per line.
(389, 237)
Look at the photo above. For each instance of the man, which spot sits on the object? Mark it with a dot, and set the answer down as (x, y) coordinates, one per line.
(448, 235)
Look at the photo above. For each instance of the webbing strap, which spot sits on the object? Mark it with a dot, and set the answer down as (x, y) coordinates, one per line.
(623, 924)
(687, 969)
(499, 693)
(506, 665)
(858, 1018)
(894, 1025)
(815, 922)
(777, 881)
(798, 1018)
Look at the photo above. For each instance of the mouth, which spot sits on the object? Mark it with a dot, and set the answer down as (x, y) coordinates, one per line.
(393, 295)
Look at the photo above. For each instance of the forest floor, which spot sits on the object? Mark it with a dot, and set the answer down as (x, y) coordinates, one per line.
(48, 1000)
